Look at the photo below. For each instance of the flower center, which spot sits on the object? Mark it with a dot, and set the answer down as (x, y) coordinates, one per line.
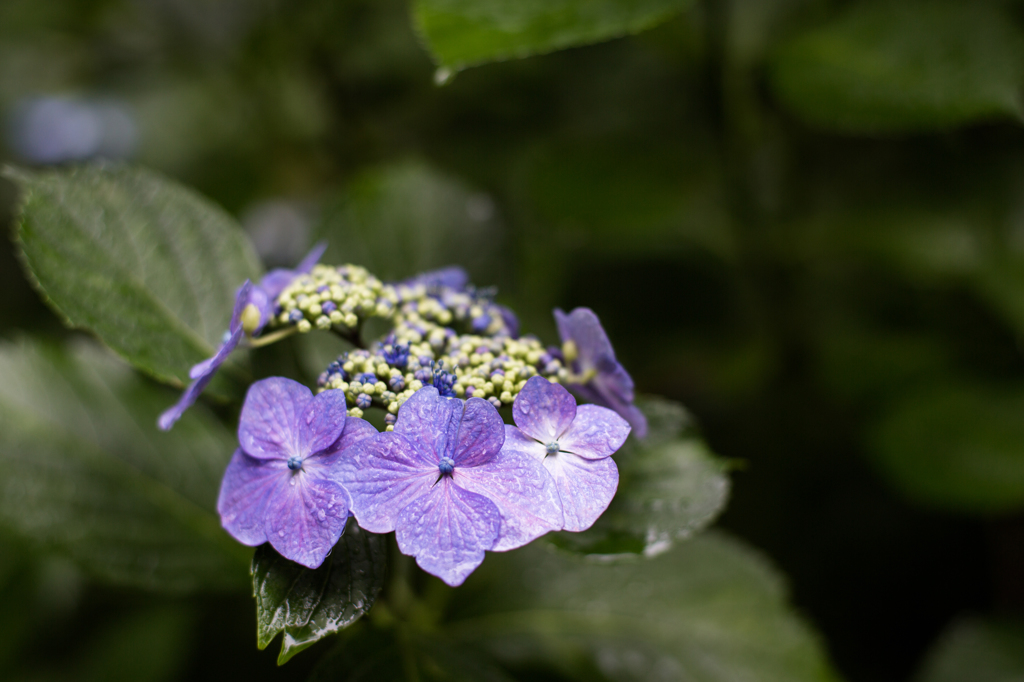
(294, 463)
(447, 465)
(552, 447)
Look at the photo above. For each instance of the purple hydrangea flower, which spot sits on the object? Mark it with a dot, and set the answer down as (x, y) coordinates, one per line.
(281, 485)
(574, 443)
(443, 483)
(254, 306)
(599, 377)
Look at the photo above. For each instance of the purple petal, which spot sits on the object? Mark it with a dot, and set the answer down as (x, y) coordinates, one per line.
(191, 393)
(596, 432)
(311, 259)
(510, 320)
(481, 433)
(305, 518)
(585, 487)
(520, 487)
(276, 281)
(583, 328)
(356, 431)
(245, 491)
(431, 421)
(543, 410)
(269, 425)
(209, 366)
(447, 530)
(264, 304)
(241, 300)
(322, 421)
(607, 391)
(383, 474)
(612, 386)
(453, 277)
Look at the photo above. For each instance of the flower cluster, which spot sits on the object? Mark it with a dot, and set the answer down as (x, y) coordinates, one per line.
(452, 480)
(447, 475)
(448, 335)
(342, 297)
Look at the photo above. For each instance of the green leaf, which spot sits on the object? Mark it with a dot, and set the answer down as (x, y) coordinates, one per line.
(406, 218)
(904, 66)
(709, 610)
(462, 33)
(670, 487)
(87, 473)
(310, 604)
(147, 265)
(975, 650)
(958, 447)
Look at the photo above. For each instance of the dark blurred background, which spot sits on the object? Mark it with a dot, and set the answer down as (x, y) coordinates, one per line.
(829, 273)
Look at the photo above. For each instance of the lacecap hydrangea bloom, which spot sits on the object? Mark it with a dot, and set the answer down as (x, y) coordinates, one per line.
(447, 475)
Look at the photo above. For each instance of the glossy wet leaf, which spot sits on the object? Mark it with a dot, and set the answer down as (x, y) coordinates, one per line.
(957, 447)
(147, 265)
(975, 650)
(310, 604)
(904, 66)
(710, 610)
(461, 33)
(670, 487)
(87, 474)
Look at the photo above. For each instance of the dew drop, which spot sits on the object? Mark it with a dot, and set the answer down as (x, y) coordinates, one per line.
(280, 533)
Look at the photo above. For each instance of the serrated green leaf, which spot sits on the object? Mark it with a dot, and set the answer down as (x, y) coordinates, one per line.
(975, 650)
(904, 66)
(310, 604)
(670, 487)
(710, 610)
(462, 33)
(147, 265)
(86, 472)
(957, 447)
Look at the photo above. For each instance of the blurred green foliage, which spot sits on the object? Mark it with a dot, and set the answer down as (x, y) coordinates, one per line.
(802, 218)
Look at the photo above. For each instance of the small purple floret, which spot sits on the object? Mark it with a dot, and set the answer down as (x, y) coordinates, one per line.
(483, 499)
(261, 296)
(281, 485)
(575, 443)
(602, 379)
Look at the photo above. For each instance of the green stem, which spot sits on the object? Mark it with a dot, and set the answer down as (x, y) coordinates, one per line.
(272, 337)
